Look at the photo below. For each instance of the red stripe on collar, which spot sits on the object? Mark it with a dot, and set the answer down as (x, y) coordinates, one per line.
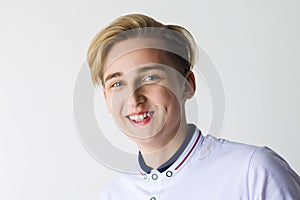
(189, 152)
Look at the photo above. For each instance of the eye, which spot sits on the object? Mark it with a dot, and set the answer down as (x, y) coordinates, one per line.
(151, 78)
(116, 84)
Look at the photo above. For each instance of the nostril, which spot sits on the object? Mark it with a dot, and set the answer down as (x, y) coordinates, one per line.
(135, 100)
(141, 99)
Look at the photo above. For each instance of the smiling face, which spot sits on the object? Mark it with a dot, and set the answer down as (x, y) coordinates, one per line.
(145, 94)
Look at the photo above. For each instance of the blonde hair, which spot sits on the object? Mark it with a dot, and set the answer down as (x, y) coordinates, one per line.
(139, 26)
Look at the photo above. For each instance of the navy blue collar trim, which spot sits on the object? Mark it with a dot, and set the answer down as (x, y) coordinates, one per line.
(175, 156)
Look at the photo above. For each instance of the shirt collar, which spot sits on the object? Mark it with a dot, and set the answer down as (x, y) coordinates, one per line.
(175, 156)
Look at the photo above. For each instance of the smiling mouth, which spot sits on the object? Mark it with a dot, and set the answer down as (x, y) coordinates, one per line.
(141, 117)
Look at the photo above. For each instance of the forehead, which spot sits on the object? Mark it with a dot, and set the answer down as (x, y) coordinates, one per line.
(132, 44)
(134, 53)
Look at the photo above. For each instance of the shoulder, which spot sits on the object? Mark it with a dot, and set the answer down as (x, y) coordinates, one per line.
(257, 158)
(271, 177)
(266, 161)
(267, 174)
(217, 154)
(216, 147)
(264, 158)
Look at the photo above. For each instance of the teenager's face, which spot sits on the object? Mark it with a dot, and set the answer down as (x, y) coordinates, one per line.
(144, 93)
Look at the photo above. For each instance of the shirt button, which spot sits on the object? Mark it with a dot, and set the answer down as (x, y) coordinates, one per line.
(145, 176)
(169, 173)
(154, 176)
(153, 198)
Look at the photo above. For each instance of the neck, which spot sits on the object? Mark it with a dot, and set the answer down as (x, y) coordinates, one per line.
(156, 157)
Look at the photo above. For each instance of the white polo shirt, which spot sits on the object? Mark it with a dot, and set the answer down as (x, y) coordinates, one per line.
(211, 169)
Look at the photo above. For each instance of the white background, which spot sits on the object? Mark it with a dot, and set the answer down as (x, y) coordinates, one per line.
(254, 44)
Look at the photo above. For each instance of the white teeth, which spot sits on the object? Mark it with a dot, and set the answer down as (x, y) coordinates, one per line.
(141, 117)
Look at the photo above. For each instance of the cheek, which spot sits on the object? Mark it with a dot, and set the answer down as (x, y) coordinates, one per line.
(165, 97)
(115, 101)
(173, 85)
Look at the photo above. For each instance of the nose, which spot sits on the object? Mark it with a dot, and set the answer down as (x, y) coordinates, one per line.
(136, 98)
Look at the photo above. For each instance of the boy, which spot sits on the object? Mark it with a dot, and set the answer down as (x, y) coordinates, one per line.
(145, 68)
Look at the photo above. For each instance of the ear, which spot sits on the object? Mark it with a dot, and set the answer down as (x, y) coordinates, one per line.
(104, 93)
(190, 85)
(106, 101)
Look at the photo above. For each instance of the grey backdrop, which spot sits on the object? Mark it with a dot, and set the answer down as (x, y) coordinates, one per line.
(254, 44)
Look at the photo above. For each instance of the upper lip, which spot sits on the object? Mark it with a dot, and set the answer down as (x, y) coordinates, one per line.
(137, 113)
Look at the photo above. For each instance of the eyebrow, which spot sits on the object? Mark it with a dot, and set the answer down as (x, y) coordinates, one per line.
(152, 67)
(113, 75)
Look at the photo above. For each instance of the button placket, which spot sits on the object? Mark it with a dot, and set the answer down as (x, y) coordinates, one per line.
(156, 184)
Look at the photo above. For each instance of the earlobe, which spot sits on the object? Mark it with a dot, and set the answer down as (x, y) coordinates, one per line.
(190, 85)
(104, 93)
